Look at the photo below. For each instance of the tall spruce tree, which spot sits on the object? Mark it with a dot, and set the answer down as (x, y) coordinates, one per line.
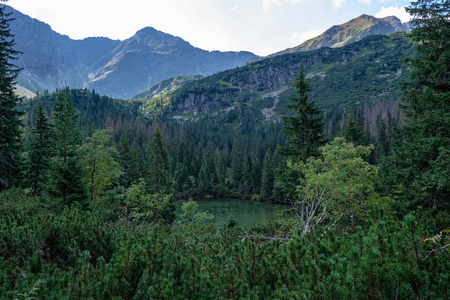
(158, 178)
(181, 168)
(9, 118)
(40, 153)
(421, 160)
(207, 177)
(237, 161)
(159, 183)
(305, 131)
(267, 177)
(66, 174)
(353, 130)
(305, 127)
(129, 159)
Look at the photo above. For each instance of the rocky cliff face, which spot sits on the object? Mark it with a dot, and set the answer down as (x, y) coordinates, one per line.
(363, 74)
(247, 82)
(119, 69)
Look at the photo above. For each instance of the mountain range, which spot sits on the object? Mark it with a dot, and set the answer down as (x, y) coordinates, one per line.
(115, 68)
(123, 69)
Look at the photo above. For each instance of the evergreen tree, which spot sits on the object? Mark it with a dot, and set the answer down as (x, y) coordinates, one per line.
(237, 160)
(129, 160)
(9, 118)
(305, 131)
(267, 177)
(181, 168)
(220, 171)
(305, 128)
(353, 130)
(420, 161)
(207, 176)
(136, 162)
(40, 153)
(158, 182)
(66, 174)
(246, 184)
(159, 178)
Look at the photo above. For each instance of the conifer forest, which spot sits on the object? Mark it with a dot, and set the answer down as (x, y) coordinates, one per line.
(89, 186)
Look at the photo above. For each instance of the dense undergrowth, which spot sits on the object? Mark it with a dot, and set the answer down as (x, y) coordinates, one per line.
(50, 252)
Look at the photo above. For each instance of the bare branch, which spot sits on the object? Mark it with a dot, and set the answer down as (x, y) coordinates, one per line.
(434, 250)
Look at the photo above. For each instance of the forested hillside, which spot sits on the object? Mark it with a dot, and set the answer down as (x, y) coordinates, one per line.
(88, 183)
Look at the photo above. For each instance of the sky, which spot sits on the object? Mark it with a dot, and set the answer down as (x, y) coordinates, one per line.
(260, 26)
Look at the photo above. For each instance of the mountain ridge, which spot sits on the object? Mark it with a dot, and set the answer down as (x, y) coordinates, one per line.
(362, 75)
(350, 32)
(119, 69)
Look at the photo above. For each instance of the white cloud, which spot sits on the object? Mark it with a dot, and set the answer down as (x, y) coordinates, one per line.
(234, 8)
(297, 39)
(268, 3)
(394, 11)
(365, 1)
(337, 3)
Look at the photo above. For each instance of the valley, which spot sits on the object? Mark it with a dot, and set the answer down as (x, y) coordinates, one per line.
(147, 168)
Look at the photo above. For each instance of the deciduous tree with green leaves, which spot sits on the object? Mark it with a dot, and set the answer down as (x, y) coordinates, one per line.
(335, 186)
(142, 207)
(100, 166)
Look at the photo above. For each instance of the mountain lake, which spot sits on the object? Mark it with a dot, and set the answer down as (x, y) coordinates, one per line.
(243, 212)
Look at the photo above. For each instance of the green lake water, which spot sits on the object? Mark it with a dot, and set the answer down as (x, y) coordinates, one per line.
(244, 212)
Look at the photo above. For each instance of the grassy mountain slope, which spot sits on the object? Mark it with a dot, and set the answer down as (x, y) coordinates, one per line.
(362, 74)
(350, 32)
(166, 86)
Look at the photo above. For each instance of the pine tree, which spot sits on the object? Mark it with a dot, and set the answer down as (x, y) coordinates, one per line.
(65, 178)
(9, 118)
(40, 153)
(420, 161)
(305, 128)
